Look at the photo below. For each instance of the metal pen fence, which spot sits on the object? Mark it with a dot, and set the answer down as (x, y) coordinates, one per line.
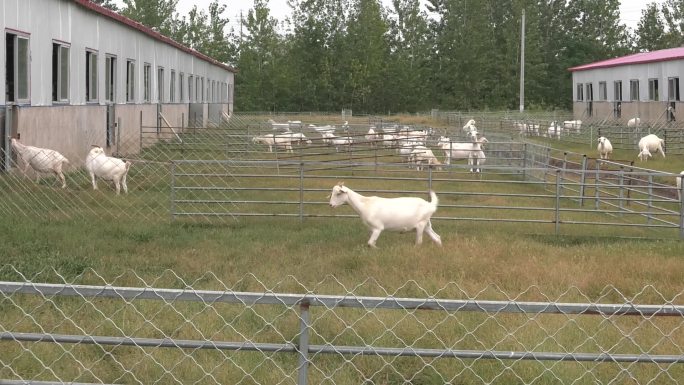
(126, 330)
(220, 173)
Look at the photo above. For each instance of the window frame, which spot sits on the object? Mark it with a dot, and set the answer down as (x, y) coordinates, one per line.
(653, 90)
(634, 96)
(603, 91)
(172, 86)
(20, 76)
(673, 92)
(130, 81)
(579, 89)
(60, 85)
(181, 80)
(92, 76)
(617, 87)
(111, 75)
(147, 67)
(161, 96)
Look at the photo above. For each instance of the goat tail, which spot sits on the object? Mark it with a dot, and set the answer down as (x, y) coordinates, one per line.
(128, 165)
(433, 199)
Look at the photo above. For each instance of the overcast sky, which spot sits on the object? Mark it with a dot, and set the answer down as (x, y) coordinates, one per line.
(630, 10)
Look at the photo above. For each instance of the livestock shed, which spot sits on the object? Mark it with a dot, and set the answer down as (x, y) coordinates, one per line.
(643, 85)
(75, 74)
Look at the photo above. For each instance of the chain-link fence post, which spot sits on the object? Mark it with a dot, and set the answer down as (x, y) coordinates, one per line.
(302, 377)
(558, 195)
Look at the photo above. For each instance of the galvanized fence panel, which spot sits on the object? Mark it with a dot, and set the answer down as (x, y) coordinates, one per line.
(126, 330)
(223, 173)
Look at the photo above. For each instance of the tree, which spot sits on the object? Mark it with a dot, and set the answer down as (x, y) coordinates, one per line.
(156, 14)
(109, 4)
(258, 61)
(673, 12)
(650, 32)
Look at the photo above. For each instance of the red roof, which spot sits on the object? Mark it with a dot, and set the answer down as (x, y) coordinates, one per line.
(637, 58)
(150, 32)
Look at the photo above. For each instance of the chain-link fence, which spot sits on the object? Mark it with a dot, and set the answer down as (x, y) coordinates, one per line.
(129, 330)
(226, 171)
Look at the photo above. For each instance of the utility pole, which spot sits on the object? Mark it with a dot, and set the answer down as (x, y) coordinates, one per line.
(522, 63)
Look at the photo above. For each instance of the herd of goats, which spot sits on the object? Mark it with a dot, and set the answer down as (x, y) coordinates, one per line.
(409, 143)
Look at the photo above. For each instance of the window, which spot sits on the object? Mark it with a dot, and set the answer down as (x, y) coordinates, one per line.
(91, 76)
(673, 89)
(17, 68)
(160, 84)
(603, 91)
(590, 92)
(653, 89)
(110, 79)
(580, 92)
(191, 82)
(60, 72)
(146, 82)
(181, 95)
(617, 91)
(172, 87)
(633, 90)
(130, 81)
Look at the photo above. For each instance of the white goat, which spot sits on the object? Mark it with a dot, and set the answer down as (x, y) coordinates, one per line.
(464, 150)
(470, 126)
(41, 160)
(574, 125)
(634, 122)
(339, 141)
(555, 130)
(108, 168)
(605, 148)
(679, 185)
(422, 154)
(372, 136)
(394, 214)
(273, 140)
(296, 137)
(650, 144)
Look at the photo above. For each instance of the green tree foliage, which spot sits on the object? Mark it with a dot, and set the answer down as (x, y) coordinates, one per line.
(109, 4)
(411, 55)
(156, 14)
(650, 33)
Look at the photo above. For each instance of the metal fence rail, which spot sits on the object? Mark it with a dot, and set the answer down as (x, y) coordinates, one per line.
(184, 335)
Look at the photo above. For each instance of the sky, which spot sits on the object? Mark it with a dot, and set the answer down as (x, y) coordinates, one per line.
(630, 10)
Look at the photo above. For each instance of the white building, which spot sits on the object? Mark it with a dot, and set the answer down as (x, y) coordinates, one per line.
(76, 74)
(641, 85)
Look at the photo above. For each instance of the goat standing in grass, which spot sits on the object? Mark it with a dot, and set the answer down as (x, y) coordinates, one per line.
(108, 168)
(40, 159)
(394, 214)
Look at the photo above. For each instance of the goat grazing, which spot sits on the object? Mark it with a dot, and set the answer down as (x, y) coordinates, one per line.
(605, 148)
(422, 154)
(40, 159)
(273, 140)
(372, 136)
(650, 144)
(108, 168)
(394, 214)
(574, 125)
(464, 150)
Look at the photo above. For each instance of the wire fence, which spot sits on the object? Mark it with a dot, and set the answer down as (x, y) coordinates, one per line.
(226, 171)
(127, 330)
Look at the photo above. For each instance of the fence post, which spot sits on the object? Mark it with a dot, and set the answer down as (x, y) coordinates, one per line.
(141, 131)
(681, 212)
(565, 165)
(301, 192)
(621, 182)
(650, 197)
(558, 195)
(583, 179)
(524, 161)
(597, 193)
(172, 203)
(303, 344)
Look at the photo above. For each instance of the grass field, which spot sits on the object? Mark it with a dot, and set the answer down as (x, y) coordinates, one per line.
(485, 261)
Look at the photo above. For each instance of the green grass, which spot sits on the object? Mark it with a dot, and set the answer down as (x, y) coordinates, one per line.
(479, 260)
